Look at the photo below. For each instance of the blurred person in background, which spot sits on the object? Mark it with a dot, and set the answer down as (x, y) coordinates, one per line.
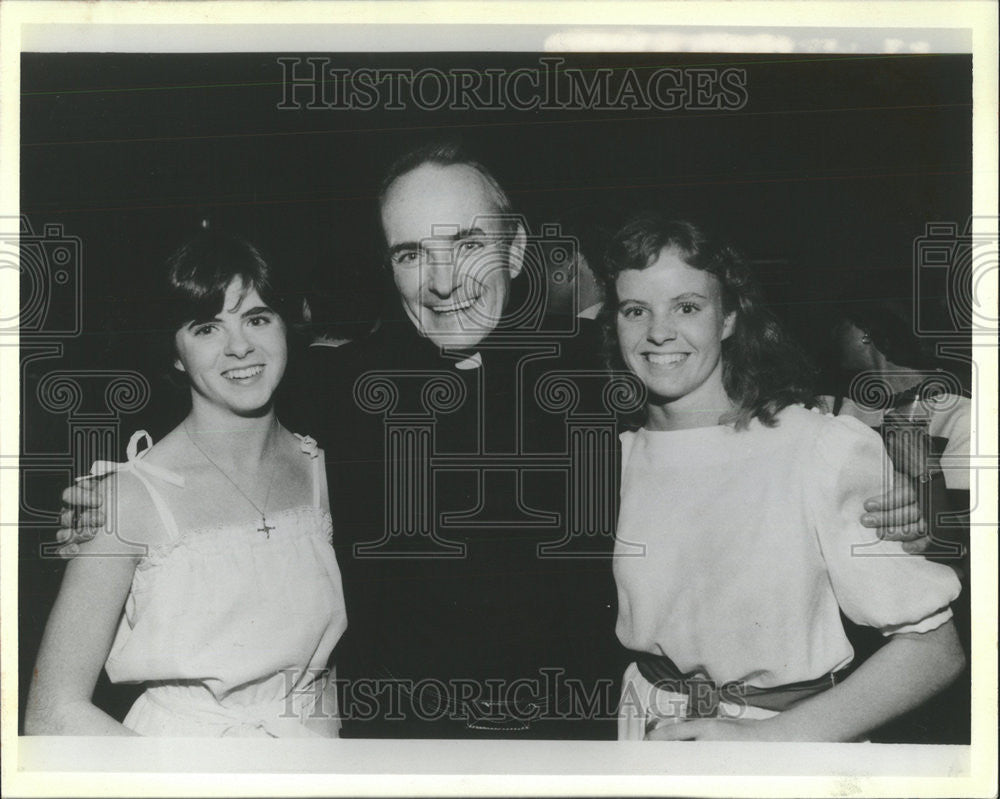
(892, 383)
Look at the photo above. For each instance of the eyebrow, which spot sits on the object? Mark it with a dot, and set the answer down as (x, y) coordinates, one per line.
(463, 233)
(257, 309)
(690, 295)
(687, 295)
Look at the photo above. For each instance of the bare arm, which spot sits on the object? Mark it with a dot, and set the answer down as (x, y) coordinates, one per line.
(903, 674)
(77, 639)
(907, 671)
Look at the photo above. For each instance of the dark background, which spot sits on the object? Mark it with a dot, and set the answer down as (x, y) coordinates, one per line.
(825, 178)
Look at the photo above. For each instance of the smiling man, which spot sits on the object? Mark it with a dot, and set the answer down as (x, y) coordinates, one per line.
(459, 627)
(454, 276)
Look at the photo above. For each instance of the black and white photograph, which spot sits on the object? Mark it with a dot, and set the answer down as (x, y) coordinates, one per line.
(608, 400)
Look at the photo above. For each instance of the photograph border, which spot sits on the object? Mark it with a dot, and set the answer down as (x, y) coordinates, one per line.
(74, 766)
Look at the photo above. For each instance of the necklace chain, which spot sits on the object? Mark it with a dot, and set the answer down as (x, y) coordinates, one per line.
(264, 528)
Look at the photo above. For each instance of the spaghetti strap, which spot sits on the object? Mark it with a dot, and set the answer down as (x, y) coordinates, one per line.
(138, 467)
(311, 448)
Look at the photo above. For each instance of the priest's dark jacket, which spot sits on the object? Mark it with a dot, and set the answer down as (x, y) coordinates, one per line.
(474, 497)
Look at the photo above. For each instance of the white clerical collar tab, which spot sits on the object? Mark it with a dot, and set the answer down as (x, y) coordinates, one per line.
(474, 361)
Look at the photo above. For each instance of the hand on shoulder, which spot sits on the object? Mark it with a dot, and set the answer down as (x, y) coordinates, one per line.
(132, 523)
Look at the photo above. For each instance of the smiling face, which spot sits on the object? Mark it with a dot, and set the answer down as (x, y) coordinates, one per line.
(671, 326)
(236, 360)
(451, 259)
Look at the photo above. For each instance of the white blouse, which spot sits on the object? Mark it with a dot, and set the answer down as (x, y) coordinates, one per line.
(950, 418)
(753, 544)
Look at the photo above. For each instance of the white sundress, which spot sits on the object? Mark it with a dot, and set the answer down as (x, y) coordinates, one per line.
(230, 627)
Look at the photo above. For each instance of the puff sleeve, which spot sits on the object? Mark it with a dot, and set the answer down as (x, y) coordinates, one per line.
(876, 582)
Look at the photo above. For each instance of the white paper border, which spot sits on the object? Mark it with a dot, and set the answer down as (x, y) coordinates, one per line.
(380, 767)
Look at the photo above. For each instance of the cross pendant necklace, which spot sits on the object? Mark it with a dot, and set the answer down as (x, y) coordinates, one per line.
(264, 528)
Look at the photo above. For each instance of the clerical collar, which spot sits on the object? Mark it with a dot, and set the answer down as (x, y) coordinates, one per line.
(464, 359)
(403, 331)
(474, 361)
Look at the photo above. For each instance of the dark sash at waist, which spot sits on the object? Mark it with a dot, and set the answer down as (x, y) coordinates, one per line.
(705, 695)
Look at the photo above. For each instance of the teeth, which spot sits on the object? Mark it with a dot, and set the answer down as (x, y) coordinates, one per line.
(242, 374)
(665, 359)
(460, 306)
